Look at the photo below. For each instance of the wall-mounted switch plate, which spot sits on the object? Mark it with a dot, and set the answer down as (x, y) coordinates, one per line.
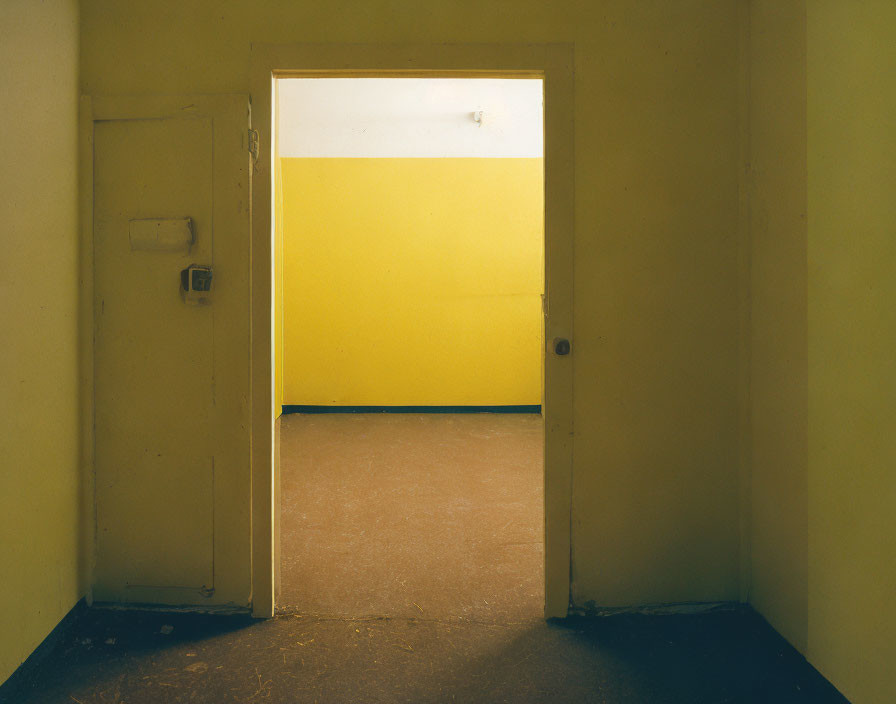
(196, 284)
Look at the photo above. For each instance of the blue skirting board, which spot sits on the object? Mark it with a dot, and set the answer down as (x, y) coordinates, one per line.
(411, 409)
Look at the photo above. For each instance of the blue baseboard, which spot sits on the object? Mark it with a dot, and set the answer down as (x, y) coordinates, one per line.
(287, 408)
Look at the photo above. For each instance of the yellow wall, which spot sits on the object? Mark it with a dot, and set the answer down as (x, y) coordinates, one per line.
(40, 490)
(655, 476)
(778, 313)
(852, 356)
(412, 281)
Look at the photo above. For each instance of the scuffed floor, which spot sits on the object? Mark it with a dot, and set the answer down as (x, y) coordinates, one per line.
(434, 516)
(412, 572)
(115, 657)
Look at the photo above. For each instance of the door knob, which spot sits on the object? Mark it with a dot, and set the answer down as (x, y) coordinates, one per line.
(561, 346)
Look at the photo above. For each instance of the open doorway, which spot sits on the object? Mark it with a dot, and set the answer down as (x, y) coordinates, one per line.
(554, 64)
(409, 345)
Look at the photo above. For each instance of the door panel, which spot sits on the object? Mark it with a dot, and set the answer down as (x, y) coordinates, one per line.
(171, 379)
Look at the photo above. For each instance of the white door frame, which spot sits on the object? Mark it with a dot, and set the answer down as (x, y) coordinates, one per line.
(554, 63)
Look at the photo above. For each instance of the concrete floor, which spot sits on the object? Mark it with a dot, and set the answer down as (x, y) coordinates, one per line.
(431, 516)
(411, 572)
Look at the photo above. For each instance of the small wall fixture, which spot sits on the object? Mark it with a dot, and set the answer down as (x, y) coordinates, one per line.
(477, 117)
(165, 235)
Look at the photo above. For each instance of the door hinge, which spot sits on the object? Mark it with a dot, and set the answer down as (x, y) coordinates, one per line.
(253, 144)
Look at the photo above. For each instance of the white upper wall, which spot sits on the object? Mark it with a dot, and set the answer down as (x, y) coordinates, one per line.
(410, 117)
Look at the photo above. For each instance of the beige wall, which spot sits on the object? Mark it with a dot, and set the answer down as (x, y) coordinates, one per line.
(777, 174)
(852, 345)
(655, 476)
(823, 153)
(655, 479)
(39, 479)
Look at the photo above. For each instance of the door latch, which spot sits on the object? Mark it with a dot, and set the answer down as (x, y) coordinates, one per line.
(253, 145)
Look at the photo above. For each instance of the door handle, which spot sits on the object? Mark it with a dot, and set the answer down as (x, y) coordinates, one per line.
(561, 346)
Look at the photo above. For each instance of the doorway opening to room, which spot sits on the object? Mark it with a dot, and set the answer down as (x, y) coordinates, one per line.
(409, 345)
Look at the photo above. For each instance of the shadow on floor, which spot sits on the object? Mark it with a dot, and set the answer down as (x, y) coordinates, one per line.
(125, 658)
(412, 572)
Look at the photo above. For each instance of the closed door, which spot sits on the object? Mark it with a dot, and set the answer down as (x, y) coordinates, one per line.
(171, 377)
